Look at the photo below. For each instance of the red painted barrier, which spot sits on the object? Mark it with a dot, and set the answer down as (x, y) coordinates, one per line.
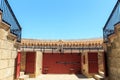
(57, 63)
(18, 65)
(93, 62)
(30, 62)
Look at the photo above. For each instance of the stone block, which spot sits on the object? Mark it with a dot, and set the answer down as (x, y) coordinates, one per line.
(3, 34)
(6, 54)
(9, 45)
(117, 62)
(119, 71)
(14, 54)
(3, 44)
(118, 75)
(118, 54)
(0, 43)
(14, 49)
(113, 78)
(13, 70)
(113, 62)
(113, 53)
(3, 64)
(0, 54)
(11, 62)
(117, 39)
(2, 74)
(9, 78)
(8, 72)
(113, 71)
(115, 45)
(5, 73)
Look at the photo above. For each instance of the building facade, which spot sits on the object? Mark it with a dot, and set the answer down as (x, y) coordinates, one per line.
(35, 57)
(62, 57)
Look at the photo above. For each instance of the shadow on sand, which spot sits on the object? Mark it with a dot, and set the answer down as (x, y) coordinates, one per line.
(80, 76)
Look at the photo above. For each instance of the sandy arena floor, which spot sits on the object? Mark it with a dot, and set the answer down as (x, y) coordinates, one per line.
(61, 77)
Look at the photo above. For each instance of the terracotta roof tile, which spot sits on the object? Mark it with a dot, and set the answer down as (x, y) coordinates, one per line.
(84, 42)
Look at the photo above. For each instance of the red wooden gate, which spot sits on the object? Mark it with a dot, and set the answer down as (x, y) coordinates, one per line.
(30, 62)
(18, 65)
(93, 62)
(57, 63)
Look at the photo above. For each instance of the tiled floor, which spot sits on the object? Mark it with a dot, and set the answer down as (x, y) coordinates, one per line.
(61, 77)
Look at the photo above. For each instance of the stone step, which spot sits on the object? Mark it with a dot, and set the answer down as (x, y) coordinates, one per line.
(101, 74)
(24, 77)
(22, 73)
(98, 77)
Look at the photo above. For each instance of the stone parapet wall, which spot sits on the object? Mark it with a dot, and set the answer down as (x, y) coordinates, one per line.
(113, 55)
(8, 52)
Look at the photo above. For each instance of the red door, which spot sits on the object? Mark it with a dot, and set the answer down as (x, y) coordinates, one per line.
(30, 63)
(93, 62)
(18, 65)
(57, 63)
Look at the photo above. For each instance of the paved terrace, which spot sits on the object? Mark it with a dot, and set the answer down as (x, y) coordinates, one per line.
(61, 77)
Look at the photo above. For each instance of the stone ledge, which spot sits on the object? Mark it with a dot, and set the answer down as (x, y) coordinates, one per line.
(17, 45)
(4, 26)
(11, 37)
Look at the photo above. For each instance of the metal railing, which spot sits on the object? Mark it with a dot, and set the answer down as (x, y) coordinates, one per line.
(113, 19)
(9, 17)
(53, 49)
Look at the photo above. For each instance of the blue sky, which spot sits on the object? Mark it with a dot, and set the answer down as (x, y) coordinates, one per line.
(62, 19)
